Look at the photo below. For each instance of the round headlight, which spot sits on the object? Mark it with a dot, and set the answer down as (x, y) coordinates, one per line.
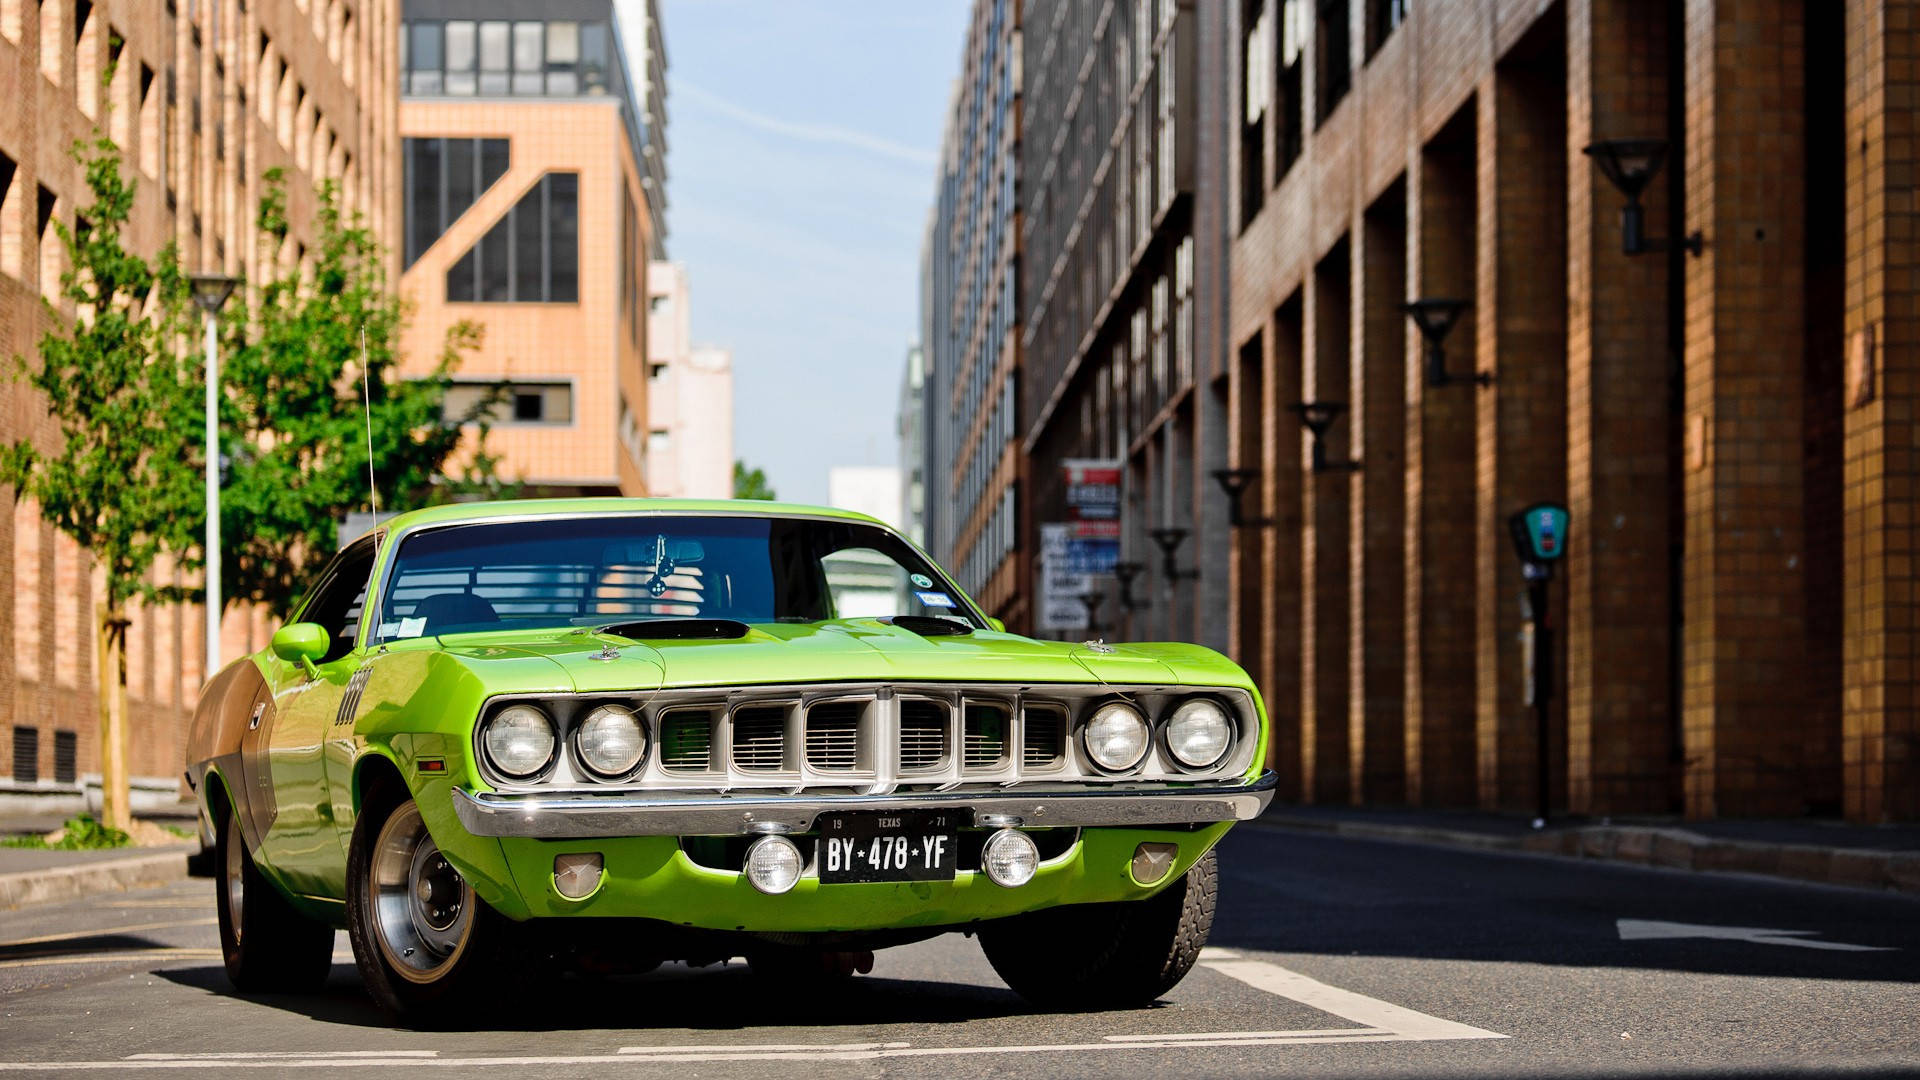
(611, 741)
(1198, 733)
(1116, 737)
(773, 864)
(519, 741)
(1010, 858)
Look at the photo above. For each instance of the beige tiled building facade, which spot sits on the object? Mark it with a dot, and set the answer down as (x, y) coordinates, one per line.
(528, 213)
(205, 97)
(1730, 422)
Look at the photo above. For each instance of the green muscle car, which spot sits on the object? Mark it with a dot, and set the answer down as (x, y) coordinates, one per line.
(609, 733)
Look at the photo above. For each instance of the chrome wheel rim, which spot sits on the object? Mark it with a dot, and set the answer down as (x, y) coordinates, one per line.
(234, 879)
(422, 907)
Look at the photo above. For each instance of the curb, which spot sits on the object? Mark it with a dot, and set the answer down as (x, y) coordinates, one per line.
(1670, 848)
(68, 882)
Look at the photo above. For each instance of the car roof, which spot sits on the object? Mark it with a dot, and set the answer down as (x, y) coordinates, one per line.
(533, 508)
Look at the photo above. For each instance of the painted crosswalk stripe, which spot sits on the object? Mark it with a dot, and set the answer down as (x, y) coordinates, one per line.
(1404, 1023)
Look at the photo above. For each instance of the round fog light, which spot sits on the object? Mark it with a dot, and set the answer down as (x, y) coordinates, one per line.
(773, 864)
(1010, 858)
(577, 876)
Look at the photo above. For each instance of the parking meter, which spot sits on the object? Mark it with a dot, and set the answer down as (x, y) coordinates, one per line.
(1540, 539)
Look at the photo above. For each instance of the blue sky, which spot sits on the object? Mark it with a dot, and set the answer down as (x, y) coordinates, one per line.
(802, 139)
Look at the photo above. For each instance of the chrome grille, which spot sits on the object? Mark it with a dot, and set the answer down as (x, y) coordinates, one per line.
(923, 733)
(986, 736)
(686, 740)
(1044, 743)
(760, 738)
(833, 736)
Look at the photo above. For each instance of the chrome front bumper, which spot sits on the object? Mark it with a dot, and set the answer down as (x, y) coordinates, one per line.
(577, 816)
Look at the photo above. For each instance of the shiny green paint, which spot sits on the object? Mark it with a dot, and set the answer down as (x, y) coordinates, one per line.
(300, 643)
(422, 696)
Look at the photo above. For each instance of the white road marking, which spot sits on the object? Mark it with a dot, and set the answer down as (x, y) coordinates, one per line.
(259, 1054)
(114, 957)
(1263, 1035)
(1405, 1024)
(1654, 930)
(105, 931)
(723, 1048)
(1214, 952)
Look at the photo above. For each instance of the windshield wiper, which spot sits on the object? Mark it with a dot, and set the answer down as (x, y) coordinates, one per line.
(676, 629)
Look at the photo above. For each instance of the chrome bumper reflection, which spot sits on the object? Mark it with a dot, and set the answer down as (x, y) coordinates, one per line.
(574, 816)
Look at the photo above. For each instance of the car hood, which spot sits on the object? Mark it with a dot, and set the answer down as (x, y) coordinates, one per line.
(841, 650)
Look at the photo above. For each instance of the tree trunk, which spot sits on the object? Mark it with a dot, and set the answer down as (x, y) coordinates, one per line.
(116, 792)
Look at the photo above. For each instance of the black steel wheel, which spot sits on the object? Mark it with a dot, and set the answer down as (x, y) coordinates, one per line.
(1107, 956)
(267, 945)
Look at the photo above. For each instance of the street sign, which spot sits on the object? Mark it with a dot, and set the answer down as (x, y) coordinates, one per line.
(1062, 584)
(1540, 532)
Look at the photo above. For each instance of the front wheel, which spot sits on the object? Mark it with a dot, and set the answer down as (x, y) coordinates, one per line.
(267, 945)
(1107, 956)
(423, 941)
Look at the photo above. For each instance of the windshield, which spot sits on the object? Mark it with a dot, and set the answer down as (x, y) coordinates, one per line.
(590, 571)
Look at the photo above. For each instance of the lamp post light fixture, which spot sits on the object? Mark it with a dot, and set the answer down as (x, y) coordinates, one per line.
(1169, 539)
(1631, 164)
(1318, 417)
(1092, 600)
(210, 292)
(1125, 573)
(1235, 482)
(1436, 316)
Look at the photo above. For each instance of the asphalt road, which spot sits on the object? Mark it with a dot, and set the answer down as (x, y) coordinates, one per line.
(1331, 957)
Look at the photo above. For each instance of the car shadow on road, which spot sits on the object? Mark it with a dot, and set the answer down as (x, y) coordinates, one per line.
(1305, 893)
(720, 998)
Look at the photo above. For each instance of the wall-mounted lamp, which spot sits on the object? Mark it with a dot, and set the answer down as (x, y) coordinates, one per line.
(1170, 540)
(1125, 573)
(1436, 316)
(1092, 601)
(1234, 482)
(1631, 165)
(1319, 417)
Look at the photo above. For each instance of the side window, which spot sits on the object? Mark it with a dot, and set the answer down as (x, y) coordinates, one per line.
(338, 599)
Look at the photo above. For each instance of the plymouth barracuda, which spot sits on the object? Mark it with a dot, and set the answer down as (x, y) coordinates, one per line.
(610, 733)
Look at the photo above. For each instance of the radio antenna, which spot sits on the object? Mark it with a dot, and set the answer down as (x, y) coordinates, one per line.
(366, 400)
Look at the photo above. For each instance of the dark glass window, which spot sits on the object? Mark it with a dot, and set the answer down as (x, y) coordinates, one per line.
(1383, 18)
(427, 57)
(66, 757)
(26, 754)
(531, 255)
(444, 177)
(1335, 56)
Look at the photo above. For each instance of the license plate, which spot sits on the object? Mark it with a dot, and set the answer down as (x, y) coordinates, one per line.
(910, 846)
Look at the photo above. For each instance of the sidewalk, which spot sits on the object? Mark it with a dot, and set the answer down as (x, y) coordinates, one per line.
(1831, 853)
(39, 875)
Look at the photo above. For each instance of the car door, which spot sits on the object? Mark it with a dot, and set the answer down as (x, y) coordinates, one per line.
(307, 843)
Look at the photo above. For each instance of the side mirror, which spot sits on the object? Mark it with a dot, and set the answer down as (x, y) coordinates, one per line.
(301, 643)
(996, 624)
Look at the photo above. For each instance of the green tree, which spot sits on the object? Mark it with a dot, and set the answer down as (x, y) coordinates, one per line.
(297, 401)
(750, 483)
(119, 485)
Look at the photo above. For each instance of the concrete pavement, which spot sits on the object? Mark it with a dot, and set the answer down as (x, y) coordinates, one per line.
(1332, 956)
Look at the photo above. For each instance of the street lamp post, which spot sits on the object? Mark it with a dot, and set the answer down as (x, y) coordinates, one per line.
(210, 292)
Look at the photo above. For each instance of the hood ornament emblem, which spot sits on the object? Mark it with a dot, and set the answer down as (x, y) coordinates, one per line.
(607, 652)
(1098, 645)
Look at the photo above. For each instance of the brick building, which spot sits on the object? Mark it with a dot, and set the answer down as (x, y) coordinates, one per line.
(1728, 418)
(528, 212)
(204, 98)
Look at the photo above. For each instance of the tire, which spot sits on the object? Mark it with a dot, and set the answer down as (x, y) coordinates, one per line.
(1107, 956)
(268, 946)
(422, 940)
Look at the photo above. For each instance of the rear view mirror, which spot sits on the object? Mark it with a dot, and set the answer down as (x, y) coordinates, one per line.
(686, 552)
(680, 552)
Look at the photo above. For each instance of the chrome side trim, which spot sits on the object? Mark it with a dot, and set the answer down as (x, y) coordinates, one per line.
(489, 814)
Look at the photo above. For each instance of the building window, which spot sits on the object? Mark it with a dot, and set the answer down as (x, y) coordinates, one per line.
(1292, 32)
(1335, 57)
(1383, 18)
(508, 403)
(659, 441)
(26, 754)
(1256, 97)
(498, 58)
(66, 757)
(444, 178)
(531, 255)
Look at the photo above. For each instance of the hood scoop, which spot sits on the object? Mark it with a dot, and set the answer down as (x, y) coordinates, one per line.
(678, 630)
(929, 626)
